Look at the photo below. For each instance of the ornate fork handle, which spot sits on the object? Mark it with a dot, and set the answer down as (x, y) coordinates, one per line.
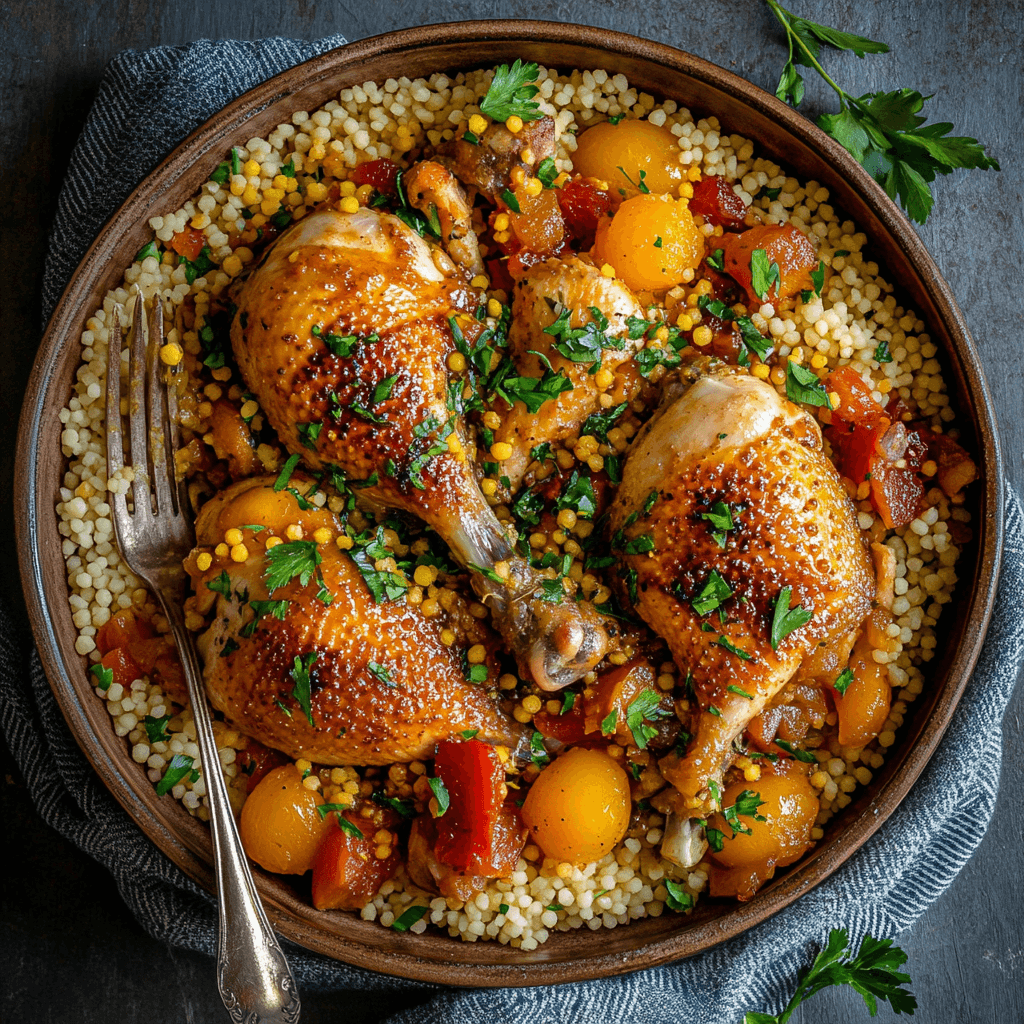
(253, 976)
(252, 973)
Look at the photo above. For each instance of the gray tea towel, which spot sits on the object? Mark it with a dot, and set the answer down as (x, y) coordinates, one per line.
(147, 102)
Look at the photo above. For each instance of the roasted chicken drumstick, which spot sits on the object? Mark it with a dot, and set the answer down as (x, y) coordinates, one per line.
(344, 335)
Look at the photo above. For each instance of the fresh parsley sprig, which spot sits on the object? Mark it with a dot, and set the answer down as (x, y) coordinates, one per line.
(873, 972)
(882, 130)
(511, 92)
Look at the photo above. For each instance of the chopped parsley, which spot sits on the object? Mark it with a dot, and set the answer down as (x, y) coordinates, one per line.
(197, 267)
(437, 787)
(568, 702)
(802, 385)
(538, 753)
(882, 353)
(468, 734)
(733, 688)
(723, 641)
(221, 585)
(678, 899)
(785, 619)
(302, 691)
(713, 593)
(104, 676)
(801, 755)
(260, 608)
(409, 918)
(578, 495)
(285, 562)
(149, 249)
(746, 805)
(715, 838)
(640, 185)
(597, 424)
(180, 766)
(509, 199)
(716, 260)
(380, 672)
(156, 728)
(582, 344)
(547, 172)
(720, 517)
(644, 708)
(609, 722)
(308, 433)
(763, 273)
(842, 683)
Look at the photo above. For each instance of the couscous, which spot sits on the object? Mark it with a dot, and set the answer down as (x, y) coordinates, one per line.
(649, 256)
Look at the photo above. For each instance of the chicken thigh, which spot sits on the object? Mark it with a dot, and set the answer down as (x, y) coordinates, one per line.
(321, 670)
(344, 335)
(740, 548)
(575, 288)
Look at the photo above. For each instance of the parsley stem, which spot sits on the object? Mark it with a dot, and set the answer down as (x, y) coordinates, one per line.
(781, 15)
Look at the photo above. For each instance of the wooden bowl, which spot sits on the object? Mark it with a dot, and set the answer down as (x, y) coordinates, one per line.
(662, 70)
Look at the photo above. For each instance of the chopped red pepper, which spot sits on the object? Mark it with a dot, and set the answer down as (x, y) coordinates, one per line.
(714, 199)
(474, 776)
(381, 174)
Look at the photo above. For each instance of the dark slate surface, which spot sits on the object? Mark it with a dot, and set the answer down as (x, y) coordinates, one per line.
(70, 950)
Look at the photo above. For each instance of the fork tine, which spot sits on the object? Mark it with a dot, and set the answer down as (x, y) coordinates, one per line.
(137, 432)
(174, 436)
(115, 439)
(158, 420)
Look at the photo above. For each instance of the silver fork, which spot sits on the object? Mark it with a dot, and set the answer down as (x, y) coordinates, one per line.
(253, 976)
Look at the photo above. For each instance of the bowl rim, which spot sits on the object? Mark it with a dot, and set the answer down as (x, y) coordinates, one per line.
(400, 958)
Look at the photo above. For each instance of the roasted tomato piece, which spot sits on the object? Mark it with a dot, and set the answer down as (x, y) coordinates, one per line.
(896, 494)
(121, 629)
(570, 728)
(381, 174)
(474, 776)
(583, 204)
(347, 868)
(714, 199)
(188, 242)
(123, 666)
(784, 245)
(257, 761)
(856, 403)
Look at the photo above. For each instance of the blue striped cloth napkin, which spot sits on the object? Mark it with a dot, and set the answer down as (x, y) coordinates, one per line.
(148, 101)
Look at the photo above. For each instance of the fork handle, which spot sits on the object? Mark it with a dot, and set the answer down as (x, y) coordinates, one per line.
(253, 976)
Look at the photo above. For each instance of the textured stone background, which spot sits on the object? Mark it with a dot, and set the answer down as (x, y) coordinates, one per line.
(70, 950)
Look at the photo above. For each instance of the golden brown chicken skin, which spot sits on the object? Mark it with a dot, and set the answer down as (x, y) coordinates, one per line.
(728, 441)
(382, 685)
(344, 334)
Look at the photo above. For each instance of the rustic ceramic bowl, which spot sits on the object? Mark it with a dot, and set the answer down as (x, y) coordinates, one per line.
(661, 70)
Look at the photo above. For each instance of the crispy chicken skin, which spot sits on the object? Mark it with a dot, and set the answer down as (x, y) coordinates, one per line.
(724, 436)
(343, 335)
(545, 291)
(359, 717)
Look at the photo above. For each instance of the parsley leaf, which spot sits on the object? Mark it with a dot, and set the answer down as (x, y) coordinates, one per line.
(843, 680)
(180, 766)
(800, 755)
(511, 92)
(380, 672)
(714, 592)
(725, 642)
(285, 562)
(104, 676)
(644, 708)
(260, 608)
(679, 899)
(547, 172)
(437, 787)
(221, 585)
(802, 385)
(882, 353)
(716, 260)
(609, 722)
(873, 972)
(763, 274)
(302, 691)
(881, 130)
(409, 918)
(156, 728)
(149, 249)
(719, 517)
(785, 619)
